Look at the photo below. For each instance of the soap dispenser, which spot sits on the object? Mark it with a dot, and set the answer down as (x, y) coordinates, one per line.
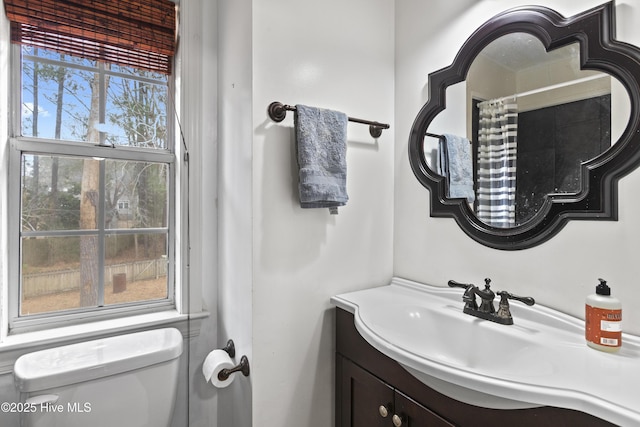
(603, 319)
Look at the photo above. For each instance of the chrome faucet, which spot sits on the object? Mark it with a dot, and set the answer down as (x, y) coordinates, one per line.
(486, 310)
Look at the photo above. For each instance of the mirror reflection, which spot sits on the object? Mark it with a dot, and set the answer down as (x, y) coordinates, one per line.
(521, 125)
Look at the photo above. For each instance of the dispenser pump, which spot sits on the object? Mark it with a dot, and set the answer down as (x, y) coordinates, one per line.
(603, 288)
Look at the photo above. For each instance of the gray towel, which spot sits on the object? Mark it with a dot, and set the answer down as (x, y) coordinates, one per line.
(456, 165)
(321, 137)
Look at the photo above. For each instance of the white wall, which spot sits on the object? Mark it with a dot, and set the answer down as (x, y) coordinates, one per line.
(279, 264)
(558, 273)
(235, 173)
(197, 54)
(338, 55)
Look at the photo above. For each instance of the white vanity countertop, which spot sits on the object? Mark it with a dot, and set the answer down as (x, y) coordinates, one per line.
(541, 360)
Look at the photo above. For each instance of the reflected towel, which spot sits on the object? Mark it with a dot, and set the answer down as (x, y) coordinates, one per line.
(456, 165)
(321, 142)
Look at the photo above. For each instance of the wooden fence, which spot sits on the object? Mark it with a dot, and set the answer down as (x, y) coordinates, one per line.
(69, 280)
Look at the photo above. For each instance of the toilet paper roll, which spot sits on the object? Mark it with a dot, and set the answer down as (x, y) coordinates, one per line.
(215, 362)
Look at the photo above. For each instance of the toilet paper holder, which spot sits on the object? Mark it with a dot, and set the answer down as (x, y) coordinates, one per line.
(230, 348)
(243, 366)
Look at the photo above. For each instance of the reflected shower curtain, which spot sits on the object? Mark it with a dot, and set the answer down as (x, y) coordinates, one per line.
(497, 148)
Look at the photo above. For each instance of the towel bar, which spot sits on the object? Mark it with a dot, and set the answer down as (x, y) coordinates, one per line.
(278, 111)
(435, 135)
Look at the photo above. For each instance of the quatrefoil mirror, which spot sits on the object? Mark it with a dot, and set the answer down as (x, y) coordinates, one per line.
(531, 126)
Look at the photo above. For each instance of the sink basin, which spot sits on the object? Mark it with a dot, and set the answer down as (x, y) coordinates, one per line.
(540, 360)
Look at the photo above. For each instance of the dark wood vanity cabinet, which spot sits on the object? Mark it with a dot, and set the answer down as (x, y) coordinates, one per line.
(367, 401)
(370, 385)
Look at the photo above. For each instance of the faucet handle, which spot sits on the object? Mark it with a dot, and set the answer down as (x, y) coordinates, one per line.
(454, 284)
(526, 300)
(469, 296)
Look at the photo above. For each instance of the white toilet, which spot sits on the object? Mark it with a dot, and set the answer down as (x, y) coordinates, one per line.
(123, 381)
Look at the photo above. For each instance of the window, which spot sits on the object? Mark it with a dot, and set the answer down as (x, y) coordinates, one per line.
(92, 172)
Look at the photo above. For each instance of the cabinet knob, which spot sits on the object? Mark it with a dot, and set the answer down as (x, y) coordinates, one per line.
(397, 420)
(384, 412)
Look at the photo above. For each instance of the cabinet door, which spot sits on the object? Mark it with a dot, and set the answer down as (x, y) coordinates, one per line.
(413, 414)
(364, 400)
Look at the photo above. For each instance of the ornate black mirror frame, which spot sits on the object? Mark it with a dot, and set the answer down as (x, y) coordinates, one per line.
(595, 31)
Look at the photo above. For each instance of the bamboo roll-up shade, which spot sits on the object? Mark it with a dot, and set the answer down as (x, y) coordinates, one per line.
(136, 33)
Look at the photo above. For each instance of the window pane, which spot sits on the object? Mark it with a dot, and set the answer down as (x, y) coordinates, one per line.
(50, 274)
(72, 99)
(136, 113)
(56, 101)
(60, 273)
(136, 194)
(136, 268)
(51, 187)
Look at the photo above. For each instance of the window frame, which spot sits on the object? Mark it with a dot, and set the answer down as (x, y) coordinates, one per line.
(19, 144)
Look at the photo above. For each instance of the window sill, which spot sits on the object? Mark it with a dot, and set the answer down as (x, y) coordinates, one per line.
(14, 346)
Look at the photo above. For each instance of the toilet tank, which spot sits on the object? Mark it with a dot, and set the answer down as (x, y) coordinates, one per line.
(125, 381)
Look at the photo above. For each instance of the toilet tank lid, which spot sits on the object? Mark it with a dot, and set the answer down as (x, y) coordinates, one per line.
(84, 361)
